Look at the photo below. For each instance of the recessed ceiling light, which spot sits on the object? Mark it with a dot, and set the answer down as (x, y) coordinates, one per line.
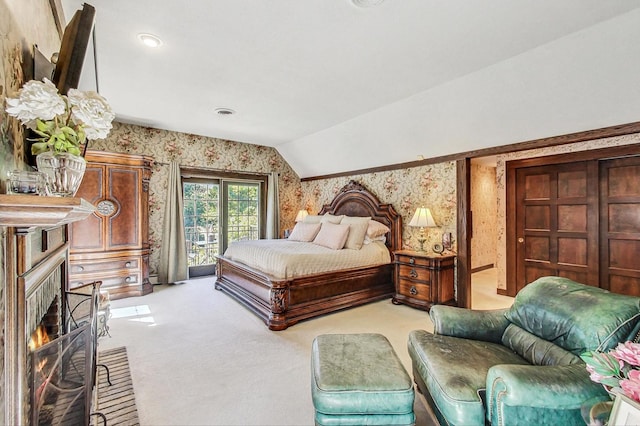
(150, 40)
(224, 111)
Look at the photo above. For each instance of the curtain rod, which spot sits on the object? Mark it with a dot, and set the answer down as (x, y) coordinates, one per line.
(208, 169)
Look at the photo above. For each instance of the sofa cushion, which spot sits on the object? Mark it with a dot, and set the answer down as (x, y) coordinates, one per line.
(535, 350)
(573, 316)
(455, 372)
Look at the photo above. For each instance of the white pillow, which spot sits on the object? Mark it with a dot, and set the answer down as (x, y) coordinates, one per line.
(357, 230)
(368, 240)
(312, 218)
(304, 231)
(376, 229)
(332, 235)
(331, 218)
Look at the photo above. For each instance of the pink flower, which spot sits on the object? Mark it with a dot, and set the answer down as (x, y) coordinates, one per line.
(631, 386)
(628, 352)
(598, 378)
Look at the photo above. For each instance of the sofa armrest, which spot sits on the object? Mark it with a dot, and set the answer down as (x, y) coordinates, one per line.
(487, 326)
(540, 394)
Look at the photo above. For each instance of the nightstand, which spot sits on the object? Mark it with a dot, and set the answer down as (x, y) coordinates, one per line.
(423, 279)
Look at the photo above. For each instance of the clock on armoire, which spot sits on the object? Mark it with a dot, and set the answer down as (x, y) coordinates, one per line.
(112, 244)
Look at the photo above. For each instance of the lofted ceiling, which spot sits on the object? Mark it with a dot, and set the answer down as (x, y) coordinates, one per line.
(335, 87)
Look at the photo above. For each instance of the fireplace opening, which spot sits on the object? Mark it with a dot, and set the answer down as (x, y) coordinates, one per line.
(62, 375)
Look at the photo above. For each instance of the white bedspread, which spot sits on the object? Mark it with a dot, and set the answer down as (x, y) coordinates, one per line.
(291, 259)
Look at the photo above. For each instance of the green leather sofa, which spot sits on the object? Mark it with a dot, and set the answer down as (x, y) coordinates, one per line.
(520, 365)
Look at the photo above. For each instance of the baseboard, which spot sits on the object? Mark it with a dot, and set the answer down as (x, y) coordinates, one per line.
(482, 268)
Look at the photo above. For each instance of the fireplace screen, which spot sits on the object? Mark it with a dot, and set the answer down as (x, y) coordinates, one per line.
(63, 370)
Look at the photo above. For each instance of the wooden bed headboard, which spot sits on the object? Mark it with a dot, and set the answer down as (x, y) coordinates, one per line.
(356, 200)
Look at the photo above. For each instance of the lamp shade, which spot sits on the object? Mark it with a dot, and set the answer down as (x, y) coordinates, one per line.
(301, 215)
(422, 218)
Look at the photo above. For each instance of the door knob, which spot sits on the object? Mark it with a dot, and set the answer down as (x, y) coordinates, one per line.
(521, 240)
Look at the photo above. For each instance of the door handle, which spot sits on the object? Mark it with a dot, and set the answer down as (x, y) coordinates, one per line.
(521, 240)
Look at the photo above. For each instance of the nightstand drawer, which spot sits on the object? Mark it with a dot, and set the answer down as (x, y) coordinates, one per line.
(414, 273)
(411, 260)
(414, 290)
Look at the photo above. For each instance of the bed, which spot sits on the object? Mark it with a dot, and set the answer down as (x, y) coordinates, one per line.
(282, 302)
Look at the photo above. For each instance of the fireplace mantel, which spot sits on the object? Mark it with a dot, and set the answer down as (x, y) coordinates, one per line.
(29, 259)
(29, 211)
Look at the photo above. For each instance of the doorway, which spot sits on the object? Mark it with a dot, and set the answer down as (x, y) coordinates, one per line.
(575, 217)
(218, 212)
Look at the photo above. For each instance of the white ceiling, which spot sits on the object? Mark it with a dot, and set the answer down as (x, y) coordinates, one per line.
(335, 87)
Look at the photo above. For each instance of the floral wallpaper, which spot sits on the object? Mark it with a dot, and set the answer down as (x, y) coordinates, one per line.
(501, 185)
(432, 186)
(198, 151)
(484, 206)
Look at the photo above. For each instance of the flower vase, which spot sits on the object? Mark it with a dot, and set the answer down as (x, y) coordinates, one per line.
(63, 170)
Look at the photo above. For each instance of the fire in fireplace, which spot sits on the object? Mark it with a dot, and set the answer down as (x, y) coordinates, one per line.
(63, 369)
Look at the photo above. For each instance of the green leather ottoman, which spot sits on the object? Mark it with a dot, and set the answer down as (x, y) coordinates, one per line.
(357, 379)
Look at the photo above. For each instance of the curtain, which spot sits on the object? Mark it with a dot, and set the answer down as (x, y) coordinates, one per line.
(173, 265)
(273, 207)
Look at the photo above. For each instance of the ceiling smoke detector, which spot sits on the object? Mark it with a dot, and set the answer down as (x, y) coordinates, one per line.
(366, 3)
(224, 111)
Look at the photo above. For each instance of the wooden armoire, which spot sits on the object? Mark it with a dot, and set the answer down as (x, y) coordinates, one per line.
(112, 244)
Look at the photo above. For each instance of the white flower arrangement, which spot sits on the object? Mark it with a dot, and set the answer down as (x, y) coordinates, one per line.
(62, 122)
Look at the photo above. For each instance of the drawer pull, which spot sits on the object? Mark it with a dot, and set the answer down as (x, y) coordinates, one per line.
(413, 273)
(412, 261)
(413, 290)
(80, 268)
(128, 279)
(127, 265)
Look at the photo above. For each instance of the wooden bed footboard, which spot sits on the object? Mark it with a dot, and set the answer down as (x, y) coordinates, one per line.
(282, 303)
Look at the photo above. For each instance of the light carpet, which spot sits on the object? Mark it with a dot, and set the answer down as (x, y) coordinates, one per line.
(197, 357)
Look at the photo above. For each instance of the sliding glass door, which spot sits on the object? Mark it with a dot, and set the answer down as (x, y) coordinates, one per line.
(218, 212)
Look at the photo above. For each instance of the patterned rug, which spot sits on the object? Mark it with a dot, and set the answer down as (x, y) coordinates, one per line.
(117, 402)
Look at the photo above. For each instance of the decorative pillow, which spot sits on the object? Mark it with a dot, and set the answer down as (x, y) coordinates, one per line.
(376, 229)
(312, 218)
(304, 231)
(368, 240)
(332, 235)
(331, 218)
(357, 230)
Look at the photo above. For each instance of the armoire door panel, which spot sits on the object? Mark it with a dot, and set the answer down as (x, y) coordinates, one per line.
(123, 188)
(87, 234)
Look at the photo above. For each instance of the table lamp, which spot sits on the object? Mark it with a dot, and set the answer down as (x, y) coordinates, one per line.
(422, 219)
(301, 215)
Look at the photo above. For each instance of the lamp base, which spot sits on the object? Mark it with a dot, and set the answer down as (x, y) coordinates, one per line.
(421, 241)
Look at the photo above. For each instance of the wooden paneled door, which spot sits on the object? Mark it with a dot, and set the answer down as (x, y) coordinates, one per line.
(556, 222)
(620, 225)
